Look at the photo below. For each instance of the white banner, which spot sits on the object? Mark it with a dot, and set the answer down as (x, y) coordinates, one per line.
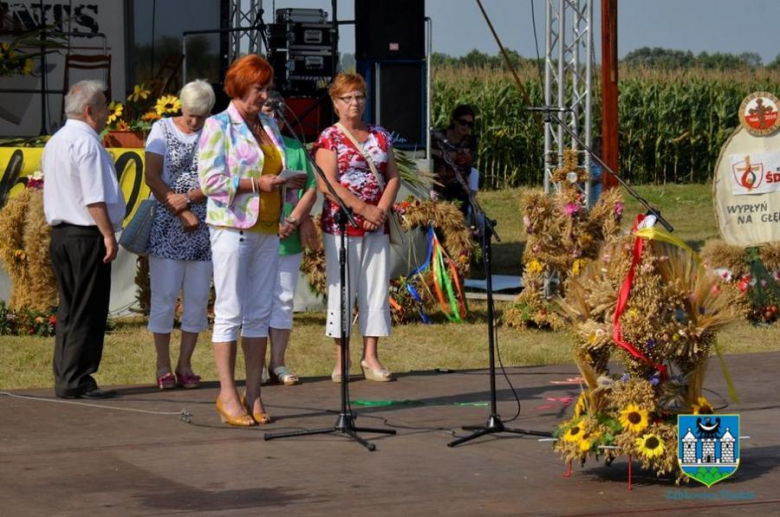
(755, 173)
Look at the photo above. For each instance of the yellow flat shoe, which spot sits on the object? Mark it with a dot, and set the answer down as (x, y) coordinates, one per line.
(378, 375)
(237, 421)
(262, 418)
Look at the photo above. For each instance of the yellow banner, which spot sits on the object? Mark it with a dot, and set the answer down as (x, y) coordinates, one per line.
(19, 163)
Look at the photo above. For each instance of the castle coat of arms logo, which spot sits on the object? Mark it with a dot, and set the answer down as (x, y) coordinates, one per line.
(708, 446)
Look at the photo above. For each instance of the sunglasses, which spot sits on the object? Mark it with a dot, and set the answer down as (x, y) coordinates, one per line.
(467, 123)
(359, 99)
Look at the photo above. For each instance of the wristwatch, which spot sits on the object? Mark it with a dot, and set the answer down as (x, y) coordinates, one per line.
(293, 221)
(189, 200)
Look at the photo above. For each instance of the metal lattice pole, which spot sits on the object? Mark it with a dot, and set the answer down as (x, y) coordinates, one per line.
(244, 13)
(568, 61)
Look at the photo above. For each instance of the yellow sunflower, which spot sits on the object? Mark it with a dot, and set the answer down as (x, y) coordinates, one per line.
(121, 125)
(139, 92)
(581, 406)
(650, 445)
(574, 433)
(633, 418)
(167, 104)
(150, 116)
(702, 407)
(115, 110)
(588, 440)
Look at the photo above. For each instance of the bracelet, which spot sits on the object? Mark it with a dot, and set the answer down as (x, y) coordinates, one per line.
(293, 221)
(254, 185)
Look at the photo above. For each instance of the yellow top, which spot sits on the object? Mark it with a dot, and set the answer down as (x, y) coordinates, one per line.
(270, 202)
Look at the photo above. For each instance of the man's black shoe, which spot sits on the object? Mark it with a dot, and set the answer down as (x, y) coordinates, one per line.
(97, 394)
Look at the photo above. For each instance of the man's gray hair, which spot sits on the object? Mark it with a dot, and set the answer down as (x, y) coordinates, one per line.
(197, 97)
(83, 94)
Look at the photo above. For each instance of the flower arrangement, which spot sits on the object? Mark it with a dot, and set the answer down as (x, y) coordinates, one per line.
(753, 274)
(663, 334)
(27, 322)
(141, 110)
(24, 249)
(456, 242)
(13, 61)
(563, 238)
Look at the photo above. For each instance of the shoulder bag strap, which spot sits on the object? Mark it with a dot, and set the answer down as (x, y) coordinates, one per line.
(366, 156)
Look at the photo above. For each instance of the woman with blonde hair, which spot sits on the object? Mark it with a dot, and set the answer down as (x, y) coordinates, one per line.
(179, 248)
(241, 154)
(357, 158)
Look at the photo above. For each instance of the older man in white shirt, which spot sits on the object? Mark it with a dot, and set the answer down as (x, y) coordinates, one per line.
(85, 206)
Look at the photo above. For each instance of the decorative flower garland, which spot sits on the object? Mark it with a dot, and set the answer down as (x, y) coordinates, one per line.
(456, 242)
(563, 237)
(24, 249)
(648, 303)
(753, 273)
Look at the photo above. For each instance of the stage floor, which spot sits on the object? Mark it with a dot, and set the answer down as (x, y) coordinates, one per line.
(76, 459)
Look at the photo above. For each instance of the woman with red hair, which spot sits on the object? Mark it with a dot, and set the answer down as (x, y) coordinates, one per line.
(240, 155)
(358, 160)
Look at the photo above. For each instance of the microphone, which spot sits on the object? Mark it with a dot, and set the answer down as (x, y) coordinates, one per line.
(276, 104)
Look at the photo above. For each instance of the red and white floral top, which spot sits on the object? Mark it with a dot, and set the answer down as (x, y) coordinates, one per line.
(354, 173)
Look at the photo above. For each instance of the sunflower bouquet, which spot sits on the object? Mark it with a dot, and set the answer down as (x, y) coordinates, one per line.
(663, 335)
(563, 238)
(141, 110)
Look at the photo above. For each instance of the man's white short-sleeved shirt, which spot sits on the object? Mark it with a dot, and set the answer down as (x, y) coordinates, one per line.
(78, 172)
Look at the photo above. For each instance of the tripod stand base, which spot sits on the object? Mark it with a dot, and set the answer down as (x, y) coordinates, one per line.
(345, 426)
(492, 426)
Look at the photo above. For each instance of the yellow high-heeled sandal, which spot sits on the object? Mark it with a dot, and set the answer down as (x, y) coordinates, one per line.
(237, 421)
(261, 418)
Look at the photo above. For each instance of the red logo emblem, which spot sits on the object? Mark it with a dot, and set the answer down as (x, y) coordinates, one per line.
(748, 175)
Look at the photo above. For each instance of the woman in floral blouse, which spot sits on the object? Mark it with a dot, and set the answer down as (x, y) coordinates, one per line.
(241, 153)
(371, 197)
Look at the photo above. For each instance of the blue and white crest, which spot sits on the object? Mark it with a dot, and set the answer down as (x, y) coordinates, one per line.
(708, 446)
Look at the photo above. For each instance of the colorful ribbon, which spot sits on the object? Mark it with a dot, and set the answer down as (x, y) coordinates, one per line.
(623, 296)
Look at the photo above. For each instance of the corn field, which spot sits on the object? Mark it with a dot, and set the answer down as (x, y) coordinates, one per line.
(672, 123)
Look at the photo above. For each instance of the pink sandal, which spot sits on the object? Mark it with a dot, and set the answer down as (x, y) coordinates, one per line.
(166, 382)
(188, 380)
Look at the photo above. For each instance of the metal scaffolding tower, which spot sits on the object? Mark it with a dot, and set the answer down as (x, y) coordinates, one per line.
(244, 13)
(568, 66)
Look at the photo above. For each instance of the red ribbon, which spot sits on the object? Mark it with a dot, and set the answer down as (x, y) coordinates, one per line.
(625, 293)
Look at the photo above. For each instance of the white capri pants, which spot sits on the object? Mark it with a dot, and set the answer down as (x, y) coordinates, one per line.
(168, 278)
(368, 279)
(284, 291)
(244, 275)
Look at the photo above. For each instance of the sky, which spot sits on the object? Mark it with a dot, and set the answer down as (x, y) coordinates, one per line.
(733, 26)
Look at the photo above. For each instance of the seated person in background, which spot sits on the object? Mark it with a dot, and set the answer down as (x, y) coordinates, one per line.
(461, 145)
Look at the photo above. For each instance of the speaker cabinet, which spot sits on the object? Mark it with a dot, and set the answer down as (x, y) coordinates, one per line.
(389, 29)
(397, 99)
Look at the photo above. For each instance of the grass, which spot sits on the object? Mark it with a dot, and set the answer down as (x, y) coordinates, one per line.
(129, 353)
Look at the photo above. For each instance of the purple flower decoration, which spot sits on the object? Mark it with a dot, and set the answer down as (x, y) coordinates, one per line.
(571, 209)
(655, 380)
(651, 343)
(625, 377)
(619, 206)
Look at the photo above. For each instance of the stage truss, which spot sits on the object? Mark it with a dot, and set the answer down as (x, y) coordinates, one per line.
(568, 58)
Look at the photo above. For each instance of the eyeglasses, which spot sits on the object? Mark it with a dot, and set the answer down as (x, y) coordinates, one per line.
(360, 99)
(467, 123)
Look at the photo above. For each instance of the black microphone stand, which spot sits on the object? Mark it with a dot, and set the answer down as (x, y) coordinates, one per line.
(550, 117)
(485, 228)
(345, 423)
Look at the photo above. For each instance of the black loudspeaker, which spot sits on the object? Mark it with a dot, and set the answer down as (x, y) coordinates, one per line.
(390, 29)
(397, 99)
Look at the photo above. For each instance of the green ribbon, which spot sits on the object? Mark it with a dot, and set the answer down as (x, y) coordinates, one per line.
(386, 403)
